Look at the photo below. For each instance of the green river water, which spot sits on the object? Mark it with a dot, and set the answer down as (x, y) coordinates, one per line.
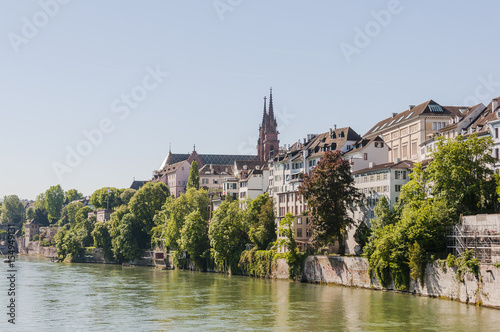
(94, 297)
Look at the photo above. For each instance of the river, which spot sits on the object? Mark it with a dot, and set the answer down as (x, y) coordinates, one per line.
(94, 297)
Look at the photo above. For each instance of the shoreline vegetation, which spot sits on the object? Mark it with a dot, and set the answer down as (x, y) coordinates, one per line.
(241, 237)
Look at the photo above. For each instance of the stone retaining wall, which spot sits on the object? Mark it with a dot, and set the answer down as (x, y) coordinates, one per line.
(439, 282)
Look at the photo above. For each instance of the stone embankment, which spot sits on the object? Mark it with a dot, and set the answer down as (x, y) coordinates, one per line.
(439, 282)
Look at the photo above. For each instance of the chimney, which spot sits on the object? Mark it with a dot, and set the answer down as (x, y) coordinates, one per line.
(494, 105)
(394, 114)
(370, 164)
(304, 140)
(411, 107)
(331, 131)
(396, 160)
(335, 126)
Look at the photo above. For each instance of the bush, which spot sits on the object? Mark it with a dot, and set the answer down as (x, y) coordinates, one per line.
(451, 261)
(257, 263)
(36, 237)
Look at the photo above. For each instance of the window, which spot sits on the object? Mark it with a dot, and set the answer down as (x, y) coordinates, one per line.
(385, 176)
(299, 232)
(378, 176)
(299, 221)
(400, 175)
(496, 132)
(413, 148)
(365, 156)
(497, 156)
(215, 181)
(397, 188)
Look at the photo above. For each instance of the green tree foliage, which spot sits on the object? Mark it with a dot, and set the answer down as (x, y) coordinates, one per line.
(329, 192)
(102, 238)
(54, 199)
(262, 221)
(72, 237)
(418, 262)
(362, 234)
(127, 195)
(30, 213)
(194, 239)
(460, 171)
(127, 240)
(99, 198)
(12, 210)
(73, 195)
(400, 241)
(145, 204)
(68, 214)
(194, 176)
(175, 211)
(228, 233)
(294, 258)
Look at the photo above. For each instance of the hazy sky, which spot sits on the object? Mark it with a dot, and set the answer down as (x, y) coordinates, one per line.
(93, 92)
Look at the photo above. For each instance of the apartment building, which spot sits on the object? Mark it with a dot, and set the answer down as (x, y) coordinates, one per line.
(404, 132)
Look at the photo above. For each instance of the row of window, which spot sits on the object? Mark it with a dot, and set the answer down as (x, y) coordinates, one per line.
(370, 178)
(378, 189)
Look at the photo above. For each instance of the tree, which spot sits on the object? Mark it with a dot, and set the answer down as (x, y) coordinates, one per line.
(263, 232)
(329, 192)
(68, 215)
(73, 195)
(54, 199)
(126, 244)
(176, 211)
(194, 239)
(127, 195)
(148, 200)
(106, 197)
(12, 210)
(194, 176)
(102, 238)
(228, 234)
(287, 240)
(461, 171)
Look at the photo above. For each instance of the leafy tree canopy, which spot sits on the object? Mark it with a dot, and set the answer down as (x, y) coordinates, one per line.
(12, 210)
(329, 192)
(194, 176)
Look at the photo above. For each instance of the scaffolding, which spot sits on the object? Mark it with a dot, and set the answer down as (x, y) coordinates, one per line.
(480, 233)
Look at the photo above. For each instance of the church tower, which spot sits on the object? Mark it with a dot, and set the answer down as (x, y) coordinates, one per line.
(268, 143)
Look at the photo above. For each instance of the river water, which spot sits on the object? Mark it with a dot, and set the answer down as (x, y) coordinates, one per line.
(95, 297)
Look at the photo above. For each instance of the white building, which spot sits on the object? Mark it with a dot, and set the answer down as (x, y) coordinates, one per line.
(373, 183)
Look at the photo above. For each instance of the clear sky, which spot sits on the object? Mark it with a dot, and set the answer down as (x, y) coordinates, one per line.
(87, 66)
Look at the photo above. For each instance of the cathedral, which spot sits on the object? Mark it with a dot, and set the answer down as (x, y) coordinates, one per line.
(268, 143)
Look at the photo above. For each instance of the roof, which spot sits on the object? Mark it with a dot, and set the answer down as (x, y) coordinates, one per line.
(401, 164)
(334, 139)
(137, 184)
(215, 159)
(251, 164)
(211, 169)
(429, 107)
(363, 143)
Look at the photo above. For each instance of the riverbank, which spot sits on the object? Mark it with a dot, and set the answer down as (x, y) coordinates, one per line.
(439, 281)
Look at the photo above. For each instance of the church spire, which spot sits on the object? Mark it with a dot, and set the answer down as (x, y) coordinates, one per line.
(264, 113)
(271, 109)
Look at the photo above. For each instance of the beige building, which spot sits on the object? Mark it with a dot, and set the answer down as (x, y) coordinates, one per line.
(404, 132)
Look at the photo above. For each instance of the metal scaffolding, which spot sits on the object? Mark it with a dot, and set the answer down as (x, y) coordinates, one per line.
(480, 233)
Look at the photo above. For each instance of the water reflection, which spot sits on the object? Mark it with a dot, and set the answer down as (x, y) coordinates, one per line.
(98, 297)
